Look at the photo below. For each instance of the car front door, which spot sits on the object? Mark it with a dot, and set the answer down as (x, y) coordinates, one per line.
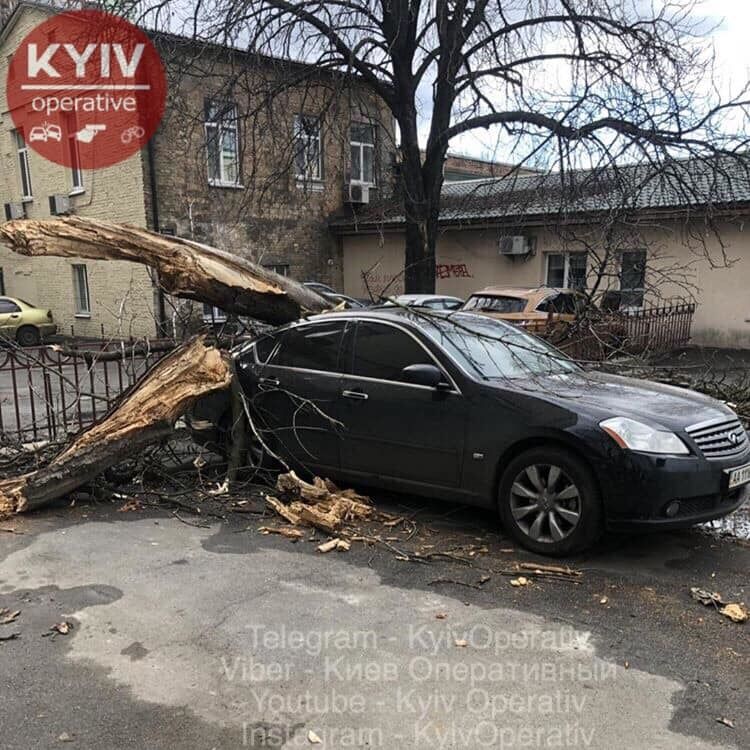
(295, 395)
(395, 429)
(10, 318)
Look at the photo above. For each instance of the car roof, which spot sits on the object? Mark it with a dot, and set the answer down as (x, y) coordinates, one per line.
(423, 297)
(400, 315)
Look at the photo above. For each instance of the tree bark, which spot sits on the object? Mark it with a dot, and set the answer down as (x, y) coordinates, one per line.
(186, 269)
(145, 415)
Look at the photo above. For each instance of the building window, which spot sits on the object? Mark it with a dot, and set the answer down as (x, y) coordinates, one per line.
(280, 268)
(76, 173)
(308, 155)
(222, 143)
(23, 162)
(213, 314)
(81, 297)
(632, 278)
(566, 270)
(363, 153)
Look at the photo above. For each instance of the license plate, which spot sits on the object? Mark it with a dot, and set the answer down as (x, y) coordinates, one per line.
(738, 477)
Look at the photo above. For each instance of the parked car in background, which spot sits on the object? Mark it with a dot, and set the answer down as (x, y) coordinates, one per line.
(462, 407)
(334, 297)
(531, 308)
(25, 323)
(430, 301)
(316, 286)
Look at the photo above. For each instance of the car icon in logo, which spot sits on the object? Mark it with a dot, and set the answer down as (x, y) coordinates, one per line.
(45, 132)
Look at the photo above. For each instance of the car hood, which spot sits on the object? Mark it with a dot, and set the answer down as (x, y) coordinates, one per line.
(612, 395)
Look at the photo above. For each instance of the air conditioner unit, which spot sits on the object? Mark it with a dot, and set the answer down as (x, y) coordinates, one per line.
(514, 245)
(358, 193)
(14, 211)
(59, 204)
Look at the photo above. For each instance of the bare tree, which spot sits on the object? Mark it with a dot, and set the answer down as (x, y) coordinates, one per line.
(563, 83)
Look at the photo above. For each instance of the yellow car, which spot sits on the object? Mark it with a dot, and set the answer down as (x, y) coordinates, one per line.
(27, 324)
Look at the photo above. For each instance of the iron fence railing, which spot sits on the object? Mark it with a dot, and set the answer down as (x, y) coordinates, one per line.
(649, 330)
(49, 392)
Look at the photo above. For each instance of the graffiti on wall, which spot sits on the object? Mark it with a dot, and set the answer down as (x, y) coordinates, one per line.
(452, 271)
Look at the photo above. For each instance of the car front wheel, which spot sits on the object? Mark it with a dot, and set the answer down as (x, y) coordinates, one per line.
(28, 336)
(549, 502)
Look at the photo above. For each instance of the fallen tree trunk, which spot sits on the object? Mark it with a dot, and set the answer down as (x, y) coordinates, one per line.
(146, 414)
(186, 269)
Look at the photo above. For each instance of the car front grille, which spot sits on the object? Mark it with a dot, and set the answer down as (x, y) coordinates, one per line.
(720, 438)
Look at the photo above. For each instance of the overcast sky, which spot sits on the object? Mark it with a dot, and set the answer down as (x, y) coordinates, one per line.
(731, 39)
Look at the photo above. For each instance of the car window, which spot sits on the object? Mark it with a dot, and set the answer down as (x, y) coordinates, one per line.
(264, 347)
(7, 306)
(495, 350)
(382, 352)
(312, 347)
(452, 304)
(488, 303)
(431, 304)
(565, 304)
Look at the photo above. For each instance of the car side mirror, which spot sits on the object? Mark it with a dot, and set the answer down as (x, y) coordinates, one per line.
(427, 375)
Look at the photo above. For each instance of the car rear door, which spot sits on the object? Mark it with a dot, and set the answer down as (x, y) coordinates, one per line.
(295, 394)
(395, 429)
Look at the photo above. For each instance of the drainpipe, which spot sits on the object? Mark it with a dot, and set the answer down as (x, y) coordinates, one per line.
(150, 155)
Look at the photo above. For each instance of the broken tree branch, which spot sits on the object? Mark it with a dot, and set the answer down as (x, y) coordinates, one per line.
(145, 415)
(186, 269)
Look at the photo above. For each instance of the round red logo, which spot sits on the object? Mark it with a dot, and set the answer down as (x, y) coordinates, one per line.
(86, 89)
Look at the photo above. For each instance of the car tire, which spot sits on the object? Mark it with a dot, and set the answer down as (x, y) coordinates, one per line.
(28, 336)
(549, 502)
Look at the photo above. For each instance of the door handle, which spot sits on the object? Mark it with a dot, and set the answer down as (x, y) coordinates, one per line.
(275, 382)
(358, 395)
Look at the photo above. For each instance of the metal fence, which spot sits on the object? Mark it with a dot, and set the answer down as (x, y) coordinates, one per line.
(650, 330)
(47, 393)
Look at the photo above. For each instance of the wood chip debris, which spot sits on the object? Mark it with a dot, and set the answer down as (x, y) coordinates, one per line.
(7, 617)
(313, 738)
(520, 581)
(9, 636)
(706, 598)
(60, 628)
(334, 544)
(735, 612)
(320, 504)
(289, 533)
(726, 722)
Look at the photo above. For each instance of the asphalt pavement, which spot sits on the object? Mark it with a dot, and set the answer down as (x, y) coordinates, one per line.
(195, 634)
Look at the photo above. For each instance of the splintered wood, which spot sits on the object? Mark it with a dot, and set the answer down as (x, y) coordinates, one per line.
(320, 504)
(145, 415)
(186, 269)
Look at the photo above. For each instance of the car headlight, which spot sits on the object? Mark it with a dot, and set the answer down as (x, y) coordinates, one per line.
(636, 436)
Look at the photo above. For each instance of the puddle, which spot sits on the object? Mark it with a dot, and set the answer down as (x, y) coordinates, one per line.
(736, 525)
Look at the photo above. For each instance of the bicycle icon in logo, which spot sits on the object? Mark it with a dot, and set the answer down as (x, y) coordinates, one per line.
(133, 133)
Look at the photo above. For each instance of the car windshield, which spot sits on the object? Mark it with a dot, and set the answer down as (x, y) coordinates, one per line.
(495, 350)
(495, 304)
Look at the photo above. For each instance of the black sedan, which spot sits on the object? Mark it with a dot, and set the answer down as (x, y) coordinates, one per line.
(462, 407)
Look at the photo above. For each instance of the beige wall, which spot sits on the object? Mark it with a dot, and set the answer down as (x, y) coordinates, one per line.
(682, 263)
(121, 293)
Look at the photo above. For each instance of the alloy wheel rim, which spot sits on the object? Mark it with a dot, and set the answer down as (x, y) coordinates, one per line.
(545, 503)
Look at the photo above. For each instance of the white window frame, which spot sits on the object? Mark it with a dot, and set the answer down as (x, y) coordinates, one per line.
(640, 289)
(213, 314)
(313, 170)
(229, 122)
(81, 294)
(282, 269)
(566, 266)
(24, 164)
(361, 146)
